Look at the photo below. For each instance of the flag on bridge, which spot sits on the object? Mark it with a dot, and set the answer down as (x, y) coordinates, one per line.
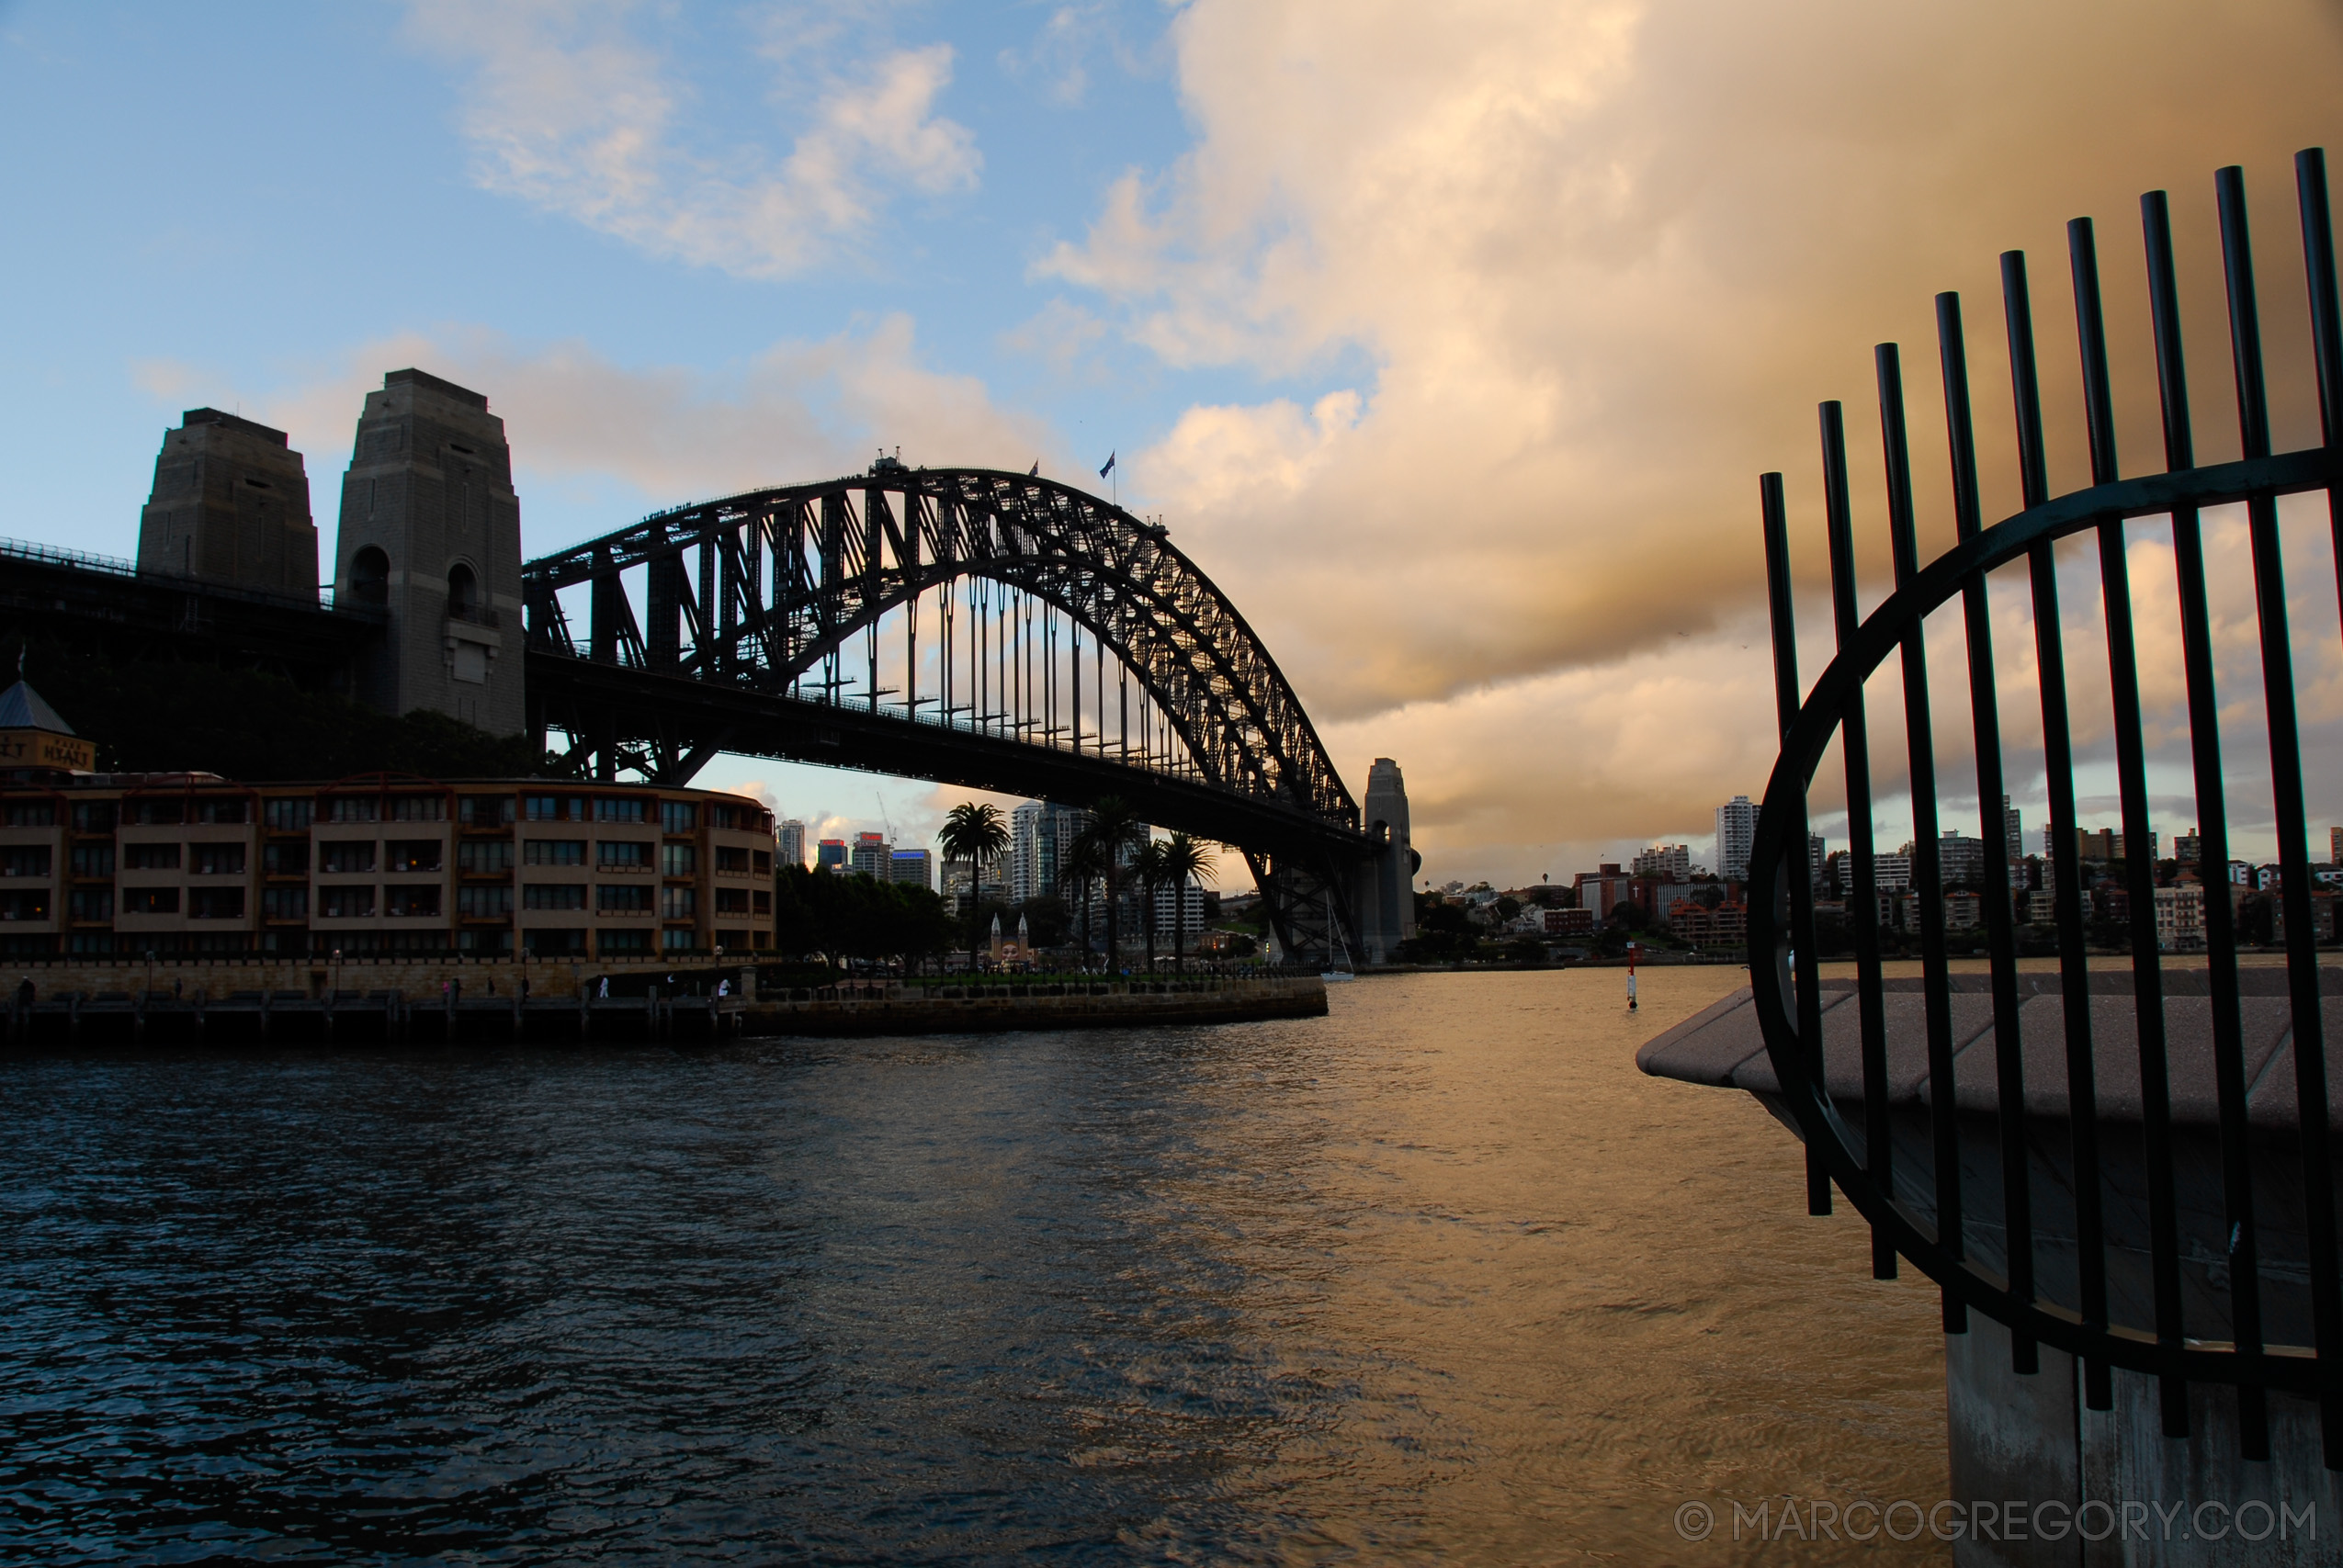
(1110, 465)
(1037, 470)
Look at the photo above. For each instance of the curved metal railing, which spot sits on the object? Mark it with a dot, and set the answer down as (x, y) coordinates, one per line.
(2064, 1223)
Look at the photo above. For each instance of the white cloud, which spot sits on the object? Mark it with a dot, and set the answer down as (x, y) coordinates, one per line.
(1603, 256)
(796, 412)
(567, 109)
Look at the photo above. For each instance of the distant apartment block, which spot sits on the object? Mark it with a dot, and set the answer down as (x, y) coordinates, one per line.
(1736, 832)
(792, 840)
(1669, 862)
(911, 866)
(2179, 919)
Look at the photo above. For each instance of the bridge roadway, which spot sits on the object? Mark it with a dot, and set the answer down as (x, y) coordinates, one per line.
(696, 718)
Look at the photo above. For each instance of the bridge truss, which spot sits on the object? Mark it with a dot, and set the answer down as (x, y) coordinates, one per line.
(969, 625)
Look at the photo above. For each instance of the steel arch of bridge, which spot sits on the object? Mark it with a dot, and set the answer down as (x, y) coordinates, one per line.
(763, 595)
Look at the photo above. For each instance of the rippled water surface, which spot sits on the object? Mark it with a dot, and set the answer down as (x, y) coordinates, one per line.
(1438, 1277)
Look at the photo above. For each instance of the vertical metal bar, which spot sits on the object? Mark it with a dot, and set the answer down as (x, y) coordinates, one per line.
(1799, 884)
(1928, 877)
(2212, 832)
(2009, 1046)
(2286, 789)
(2139, 864)
(1854, 739)
(2058, 778)
(2326, 321)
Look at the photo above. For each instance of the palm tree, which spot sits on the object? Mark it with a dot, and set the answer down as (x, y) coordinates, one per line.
(974, 831)
(1183, 859)
(1114, 828)
(1147, 871)
(1081, 868)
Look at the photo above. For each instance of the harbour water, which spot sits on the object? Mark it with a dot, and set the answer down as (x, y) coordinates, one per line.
(1438, 1277)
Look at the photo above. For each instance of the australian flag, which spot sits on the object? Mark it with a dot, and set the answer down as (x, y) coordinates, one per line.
(1110, 465)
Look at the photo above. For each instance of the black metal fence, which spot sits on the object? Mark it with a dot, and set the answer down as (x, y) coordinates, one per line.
(2062, 1223)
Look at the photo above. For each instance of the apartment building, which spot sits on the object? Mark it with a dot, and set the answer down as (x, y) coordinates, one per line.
(175, 864)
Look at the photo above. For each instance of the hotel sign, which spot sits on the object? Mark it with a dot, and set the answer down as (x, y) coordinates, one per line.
(45, 749)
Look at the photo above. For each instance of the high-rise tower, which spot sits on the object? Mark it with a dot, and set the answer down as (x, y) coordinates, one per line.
(431, 530)
(229, 505)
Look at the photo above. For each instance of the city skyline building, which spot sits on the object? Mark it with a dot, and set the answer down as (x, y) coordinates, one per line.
(1736, 830)
(791, 837)
(1041, 834)
(1669, 863)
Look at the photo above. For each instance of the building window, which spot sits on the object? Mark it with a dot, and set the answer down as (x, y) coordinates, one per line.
(219, 810)
(24, 904)
(411, 903)
(484, 903)
(484, 857)
(216, 859)
(725, 816)
(416, 809)
(551, 942)
(623, 941)
(622, 898)
(90, 904)
(489, 941)
(33, 814)
(345, 856)
(762, 903)
(541, 807)
(24, 860)
(678, 903)
(678, 815)
(485, 811)
(622, 854)
(411, 854)
(145, 813)
(150, 857)
(216, 904)
(93, 817)
(761, 862)
(731, 900)
(609, 809)
(553, 896)
(290, 858)
(677, 860)
(553, 852)
(92, 859)
(284, 904)
(345, 903)
(150, 900)
(355, 809)
(733, 862)
(675, 939)
(292, 814)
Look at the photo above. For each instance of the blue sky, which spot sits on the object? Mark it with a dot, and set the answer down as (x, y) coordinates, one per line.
(229, 200)
(1449, 341)
(242, 192)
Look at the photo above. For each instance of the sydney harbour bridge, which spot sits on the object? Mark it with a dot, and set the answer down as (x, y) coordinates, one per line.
(972, 627)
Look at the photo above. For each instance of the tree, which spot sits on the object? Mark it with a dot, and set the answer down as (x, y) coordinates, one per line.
(1114, 828)
(974, 831)
(1184, 859)
(1146, 870)
(1080, 868)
